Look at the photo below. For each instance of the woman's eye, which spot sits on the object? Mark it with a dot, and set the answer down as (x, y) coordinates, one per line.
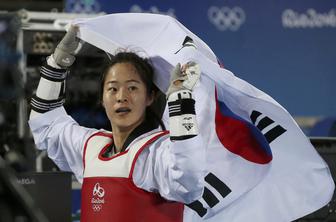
(112, 89)
(132, 88)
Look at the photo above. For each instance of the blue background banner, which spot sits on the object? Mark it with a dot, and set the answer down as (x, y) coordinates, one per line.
(285, 48)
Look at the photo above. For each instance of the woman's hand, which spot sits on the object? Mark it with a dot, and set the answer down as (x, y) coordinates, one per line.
(184, 77)
(65, 50)
(181, 105)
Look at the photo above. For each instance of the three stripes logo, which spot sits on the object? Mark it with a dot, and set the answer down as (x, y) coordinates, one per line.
(267, 126)
(213, 186)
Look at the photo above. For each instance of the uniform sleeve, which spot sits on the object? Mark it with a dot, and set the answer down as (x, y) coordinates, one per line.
(62, 137)
(173, 169)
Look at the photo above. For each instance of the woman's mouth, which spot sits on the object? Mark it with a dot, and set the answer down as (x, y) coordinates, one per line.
(123, 110)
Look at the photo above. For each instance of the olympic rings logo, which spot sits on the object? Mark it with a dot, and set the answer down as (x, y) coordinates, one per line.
(78, 6)
(226, 18)
(98, 190)
(97, 207)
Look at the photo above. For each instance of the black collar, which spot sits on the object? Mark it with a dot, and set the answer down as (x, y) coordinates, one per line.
(147, 125)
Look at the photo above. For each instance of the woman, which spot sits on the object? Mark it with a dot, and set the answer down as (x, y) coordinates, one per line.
(138, 172)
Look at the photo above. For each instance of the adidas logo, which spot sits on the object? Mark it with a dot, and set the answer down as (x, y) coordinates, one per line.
(66, 60)
(188, 126)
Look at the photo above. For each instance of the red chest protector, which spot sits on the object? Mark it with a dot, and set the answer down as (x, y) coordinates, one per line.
(108, 191)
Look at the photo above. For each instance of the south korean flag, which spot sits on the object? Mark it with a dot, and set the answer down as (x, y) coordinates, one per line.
(261, 167)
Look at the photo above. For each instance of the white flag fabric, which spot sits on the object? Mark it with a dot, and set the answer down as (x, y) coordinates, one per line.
(235, 117)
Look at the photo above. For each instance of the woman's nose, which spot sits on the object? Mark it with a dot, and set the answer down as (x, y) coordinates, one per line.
(122, 96)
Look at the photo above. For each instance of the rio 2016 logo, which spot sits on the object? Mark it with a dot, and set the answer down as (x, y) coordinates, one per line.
(97, 200)
(309, 19)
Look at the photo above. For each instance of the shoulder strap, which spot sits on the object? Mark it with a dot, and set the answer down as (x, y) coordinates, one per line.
(150, 140)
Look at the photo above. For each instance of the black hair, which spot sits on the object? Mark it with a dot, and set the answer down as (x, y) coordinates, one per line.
(146, 72)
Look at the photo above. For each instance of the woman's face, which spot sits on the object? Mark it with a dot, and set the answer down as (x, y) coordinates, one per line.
(125, 97)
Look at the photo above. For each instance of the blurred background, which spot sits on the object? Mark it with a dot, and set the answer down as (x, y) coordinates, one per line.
(285, 48)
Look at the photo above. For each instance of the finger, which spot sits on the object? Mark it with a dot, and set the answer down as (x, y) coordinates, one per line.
(72, 33)
(189, 65)
(183, 68)
(176, 72)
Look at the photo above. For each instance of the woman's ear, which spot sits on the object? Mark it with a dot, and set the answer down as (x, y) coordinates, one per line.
(150, 98)
(102, 103)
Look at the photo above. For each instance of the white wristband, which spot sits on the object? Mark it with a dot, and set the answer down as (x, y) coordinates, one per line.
(183, 127)
(182, 116)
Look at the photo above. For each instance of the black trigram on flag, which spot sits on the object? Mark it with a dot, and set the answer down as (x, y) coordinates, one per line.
(264, 122)
(208, 196)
